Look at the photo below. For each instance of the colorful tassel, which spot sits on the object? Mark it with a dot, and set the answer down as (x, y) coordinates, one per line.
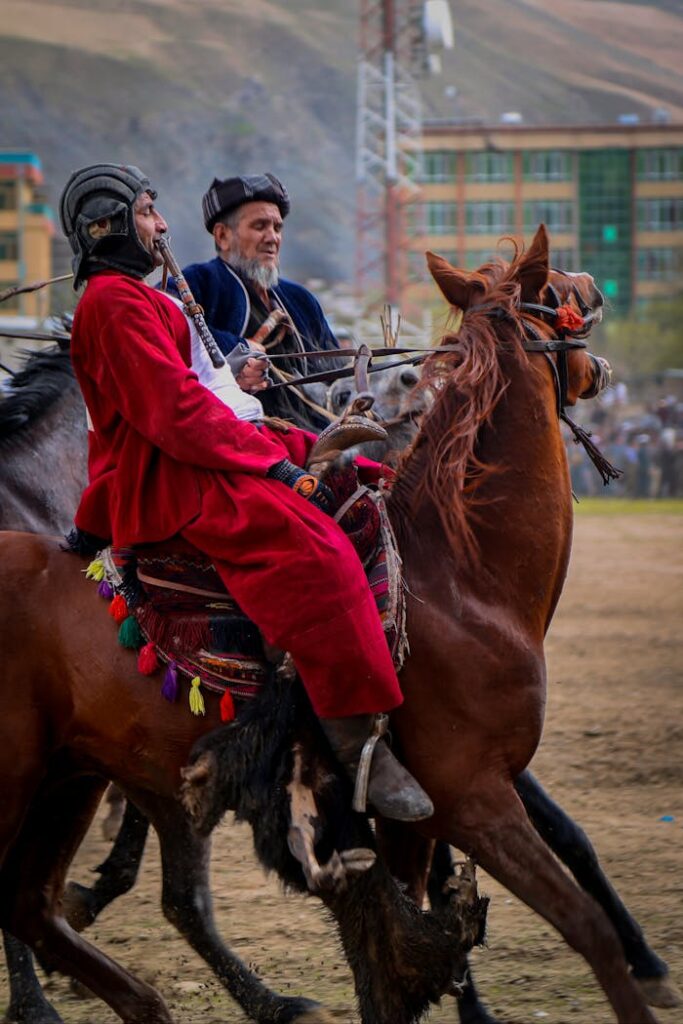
(130, 635)
(196, 699)
(106, 590)
(170, 687)
(227, 707)
(118, 609)
(95, 570)
(148, 662)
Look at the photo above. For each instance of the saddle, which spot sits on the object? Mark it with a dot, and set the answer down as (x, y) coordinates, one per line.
(173, 608)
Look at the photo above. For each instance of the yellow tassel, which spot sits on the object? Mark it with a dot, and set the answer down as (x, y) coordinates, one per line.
(196, 699)
(95, 570)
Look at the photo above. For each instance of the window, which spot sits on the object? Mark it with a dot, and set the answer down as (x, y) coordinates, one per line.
(490, 218)
(556, 214)
(440, 218)
(9, 246)
(563, 259)
(660, 214)
(438, 166)
(659, 165)
(548, 165)
(659, 264)
(489, 166)
(7, 195)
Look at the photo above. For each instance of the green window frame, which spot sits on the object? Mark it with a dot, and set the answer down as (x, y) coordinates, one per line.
(660, 264)
(489, 166)
(8, 195)
(438, 166)
(556, 214)
(547, 165)
(494, 218)
(660, 214)
(441, 218)
(9, 245)
(660, 164)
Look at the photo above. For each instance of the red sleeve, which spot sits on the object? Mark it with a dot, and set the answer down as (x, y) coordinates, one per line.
(135, 361)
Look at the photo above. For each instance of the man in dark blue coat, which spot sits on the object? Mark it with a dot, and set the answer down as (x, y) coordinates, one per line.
(244, 299)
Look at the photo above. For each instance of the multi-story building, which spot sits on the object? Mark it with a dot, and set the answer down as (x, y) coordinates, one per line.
(26, 230)
(611, 197)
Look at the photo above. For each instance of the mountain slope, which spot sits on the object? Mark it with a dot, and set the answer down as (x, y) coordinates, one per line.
(215, 87)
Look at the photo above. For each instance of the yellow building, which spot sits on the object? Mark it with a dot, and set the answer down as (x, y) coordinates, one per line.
(26, 231)
(610, 195)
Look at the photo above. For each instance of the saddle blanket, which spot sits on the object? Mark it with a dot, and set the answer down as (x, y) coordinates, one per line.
(172, 606)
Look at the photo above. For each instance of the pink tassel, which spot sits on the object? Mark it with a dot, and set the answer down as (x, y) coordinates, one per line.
(148, 662)
(105, 590)
(227, 707)
(170, 687)
(118, 609)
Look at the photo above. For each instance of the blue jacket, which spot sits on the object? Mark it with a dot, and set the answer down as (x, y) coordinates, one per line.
(219, 290)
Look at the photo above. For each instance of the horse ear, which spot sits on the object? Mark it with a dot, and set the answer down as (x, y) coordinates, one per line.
(534, 266)
(453, 283)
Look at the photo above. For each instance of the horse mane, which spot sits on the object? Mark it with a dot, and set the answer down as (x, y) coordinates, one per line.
(443, 464)
(43, 378)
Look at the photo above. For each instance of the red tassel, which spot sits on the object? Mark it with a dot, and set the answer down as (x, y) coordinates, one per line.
(148, 662)
(118, 609)
(227, 707)
(567, 319)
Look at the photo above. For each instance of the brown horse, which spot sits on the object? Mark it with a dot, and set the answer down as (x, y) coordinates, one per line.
(482, 511)
(62, 736)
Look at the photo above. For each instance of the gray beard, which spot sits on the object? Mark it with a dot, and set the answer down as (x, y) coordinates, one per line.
(253, 270)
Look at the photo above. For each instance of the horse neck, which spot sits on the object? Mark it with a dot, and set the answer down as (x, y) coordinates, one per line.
(45, 468)
(522, 527)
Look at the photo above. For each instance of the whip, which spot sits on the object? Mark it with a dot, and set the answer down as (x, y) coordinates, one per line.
(192, 308)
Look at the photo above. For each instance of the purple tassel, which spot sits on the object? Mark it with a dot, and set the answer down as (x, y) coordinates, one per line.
(105, 590)
(170, 686)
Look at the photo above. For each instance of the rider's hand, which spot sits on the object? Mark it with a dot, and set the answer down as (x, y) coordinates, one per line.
(304, 484)
(254, 375)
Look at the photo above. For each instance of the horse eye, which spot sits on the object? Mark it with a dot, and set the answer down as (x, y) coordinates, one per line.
(342, 398)
(409, 378)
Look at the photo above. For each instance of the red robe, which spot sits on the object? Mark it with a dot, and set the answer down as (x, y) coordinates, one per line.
(166, 456)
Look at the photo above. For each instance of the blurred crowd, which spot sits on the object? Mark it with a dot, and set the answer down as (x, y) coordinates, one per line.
(644, 440)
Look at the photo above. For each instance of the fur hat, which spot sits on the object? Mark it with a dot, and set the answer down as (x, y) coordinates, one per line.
(224, 196)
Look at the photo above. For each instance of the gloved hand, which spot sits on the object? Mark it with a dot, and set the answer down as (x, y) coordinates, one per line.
(303, 483)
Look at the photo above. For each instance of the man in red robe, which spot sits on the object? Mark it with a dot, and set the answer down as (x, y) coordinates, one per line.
(171, 455)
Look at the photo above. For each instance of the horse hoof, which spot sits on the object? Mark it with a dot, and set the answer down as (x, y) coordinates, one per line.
(661, 992)
(76, 904)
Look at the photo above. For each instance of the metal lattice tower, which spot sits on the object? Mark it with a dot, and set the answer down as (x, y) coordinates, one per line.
(388, 138)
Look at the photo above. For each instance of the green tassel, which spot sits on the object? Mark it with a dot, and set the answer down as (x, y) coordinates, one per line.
(95, 570)
(130, 635)
(196, 699)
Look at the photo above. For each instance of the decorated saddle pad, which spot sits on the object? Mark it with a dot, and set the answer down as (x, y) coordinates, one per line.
(172, 606)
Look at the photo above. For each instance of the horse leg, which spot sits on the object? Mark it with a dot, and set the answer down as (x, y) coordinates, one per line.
(571, 844)
(187, 904)
(497, 833)
(28, 1004)
(32, 880)
(118, 873)
(116, 803)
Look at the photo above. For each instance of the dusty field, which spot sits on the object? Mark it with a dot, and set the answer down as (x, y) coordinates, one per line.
(611, 754)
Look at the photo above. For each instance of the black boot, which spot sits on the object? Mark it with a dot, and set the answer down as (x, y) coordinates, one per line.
(390, 788)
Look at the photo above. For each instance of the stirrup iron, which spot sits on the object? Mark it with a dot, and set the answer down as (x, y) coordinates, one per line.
(360, 793)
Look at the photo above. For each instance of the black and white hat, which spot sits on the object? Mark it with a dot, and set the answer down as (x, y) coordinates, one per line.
(227, 195)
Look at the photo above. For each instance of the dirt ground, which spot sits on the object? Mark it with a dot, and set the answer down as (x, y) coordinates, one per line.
(611, 755)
